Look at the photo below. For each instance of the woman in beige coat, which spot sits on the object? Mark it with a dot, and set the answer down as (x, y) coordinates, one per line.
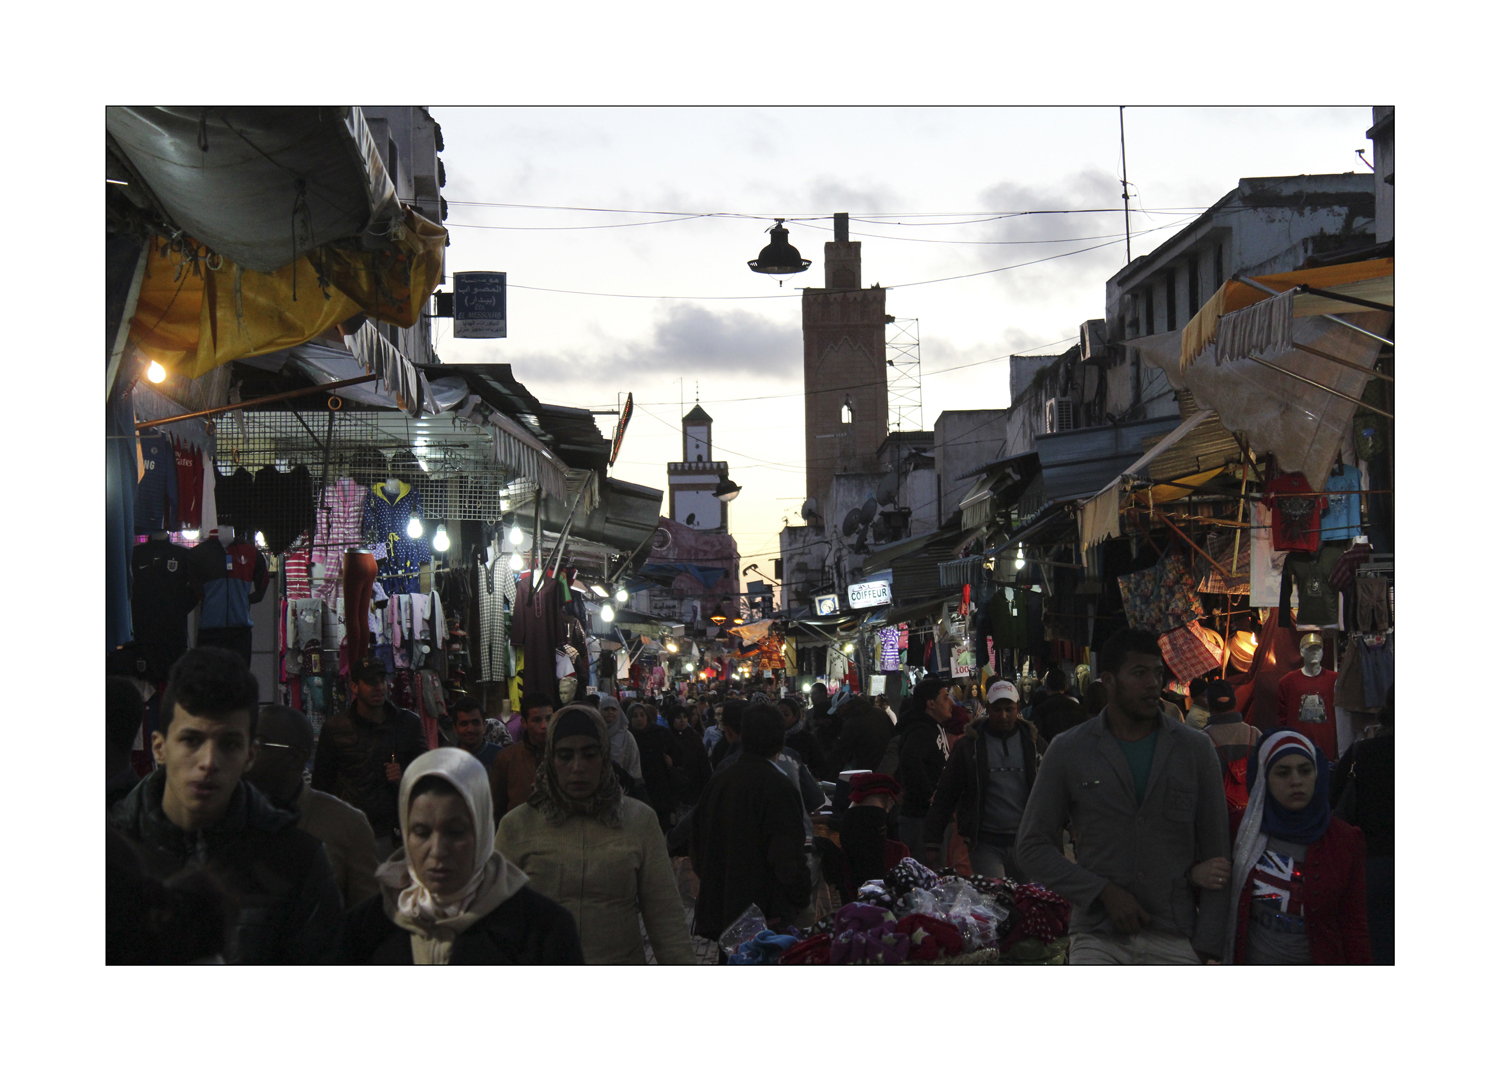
(594, 850)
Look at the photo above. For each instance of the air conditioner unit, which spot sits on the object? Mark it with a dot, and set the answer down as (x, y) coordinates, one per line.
(1059, 415)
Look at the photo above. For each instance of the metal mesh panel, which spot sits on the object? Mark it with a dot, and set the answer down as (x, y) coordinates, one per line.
(451, 464)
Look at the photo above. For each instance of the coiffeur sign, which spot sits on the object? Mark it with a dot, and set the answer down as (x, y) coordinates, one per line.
(479, 304)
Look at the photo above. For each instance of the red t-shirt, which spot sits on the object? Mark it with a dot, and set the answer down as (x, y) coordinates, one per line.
(1294, 520)
(1305, 705)
(189, 485)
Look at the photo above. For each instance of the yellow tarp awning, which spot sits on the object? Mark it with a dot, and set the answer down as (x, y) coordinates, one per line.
(1170, 492)
(191, 321)
(1233, 296)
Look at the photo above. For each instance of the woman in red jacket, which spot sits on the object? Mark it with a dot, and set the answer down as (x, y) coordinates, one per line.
(1299, 872)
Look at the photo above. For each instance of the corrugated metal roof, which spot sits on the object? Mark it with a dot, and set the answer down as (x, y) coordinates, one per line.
(1206, 447)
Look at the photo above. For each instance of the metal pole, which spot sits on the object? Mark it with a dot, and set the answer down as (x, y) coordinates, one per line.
(1124, 184)
(300, 392)
(568, 525)
(1327, 316)
(1320, 386)
(1346, 364)
(536, 540)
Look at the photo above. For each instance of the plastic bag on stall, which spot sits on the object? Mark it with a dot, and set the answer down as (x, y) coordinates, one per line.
(750, 922)
(980, 923)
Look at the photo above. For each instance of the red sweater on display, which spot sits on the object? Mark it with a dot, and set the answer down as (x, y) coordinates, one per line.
(1305, 705)
(1333, 896)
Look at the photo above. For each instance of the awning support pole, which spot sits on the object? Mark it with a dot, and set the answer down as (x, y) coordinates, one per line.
(1321, 386)
(562, 540)
(260, 401)
(1346, 364)
(1196, 549)
(1264, 289)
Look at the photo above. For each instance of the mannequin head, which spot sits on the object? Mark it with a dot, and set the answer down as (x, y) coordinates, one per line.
(226, 534)
(1312, 654)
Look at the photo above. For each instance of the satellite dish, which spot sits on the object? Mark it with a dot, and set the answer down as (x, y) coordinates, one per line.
(885, 494)
(868, 510)
(851, 522)
(809, 509)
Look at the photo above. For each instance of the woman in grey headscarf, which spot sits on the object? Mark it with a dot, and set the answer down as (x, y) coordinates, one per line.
(622, 746)
(447, 895)
(597, 851)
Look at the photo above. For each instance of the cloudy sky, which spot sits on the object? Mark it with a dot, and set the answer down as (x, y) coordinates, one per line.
(653, 296)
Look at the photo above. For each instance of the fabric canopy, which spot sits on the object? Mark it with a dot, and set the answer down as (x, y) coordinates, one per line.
(1099, 517)
(198, 310)
(1370, 280)
(259, 185)
(1287, 409)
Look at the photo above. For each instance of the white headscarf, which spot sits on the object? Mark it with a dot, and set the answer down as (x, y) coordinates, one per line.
(435, 921)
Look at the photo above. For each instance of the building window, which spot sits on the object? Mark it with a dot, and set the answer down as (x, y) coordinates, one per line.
(1172, 299)
(1192, 270)
(846, 414)
(1218, 266)
(1150, 297)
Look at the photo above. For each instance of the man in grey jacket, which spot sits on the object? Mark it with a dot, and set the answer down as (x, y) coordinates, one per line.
(1146, 800)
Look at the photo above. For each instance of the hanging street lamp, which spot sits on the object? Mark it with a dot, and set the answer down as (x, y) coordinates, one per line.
(780, 257)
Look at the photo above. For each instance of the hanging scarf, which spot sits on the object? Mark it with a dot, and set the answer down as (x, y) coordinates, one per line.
(1265, 818)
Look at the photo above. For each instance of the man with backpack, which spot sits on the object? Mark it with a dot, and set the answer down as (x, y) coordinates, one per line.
(1233, 739)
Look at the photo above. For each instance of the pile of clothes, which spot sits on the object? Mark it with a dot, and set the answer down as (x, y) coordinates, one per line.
(917, 915)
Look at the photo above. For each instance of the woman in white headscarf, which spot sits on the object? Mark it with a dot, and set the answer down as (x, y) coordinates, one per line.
(447, 895)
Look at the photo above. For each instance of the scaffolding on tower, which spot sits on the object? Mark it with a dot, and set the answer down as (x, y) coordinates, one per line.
(903, 356)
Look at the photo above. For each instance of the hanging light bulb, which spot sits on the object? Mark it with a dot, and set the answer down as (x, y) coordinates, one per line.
(516, 564)
(440, 539)
(1020, 554)
(848, 648)
(671, 647)
(414, 528)
(517, 537)
(606, 612)
(807, 687)
(155, 372)
(260, 539)
(622, 596)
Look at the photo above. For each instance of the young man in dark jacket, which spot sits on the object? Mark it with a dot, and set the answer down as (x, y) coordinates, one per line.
(747, 837)
(195, 812)
(923, 754)
(801, 739)
(988, 779)
(1056, 712)
(363, 750)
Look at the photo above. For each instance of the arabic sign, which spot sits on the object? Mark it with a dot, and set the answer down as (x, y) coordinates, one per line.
(479, 304)
(614, 451)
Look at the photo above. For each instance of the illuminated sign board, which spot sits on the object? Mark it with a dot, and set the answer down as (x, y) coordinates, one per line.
(826, 605)
(872, 593)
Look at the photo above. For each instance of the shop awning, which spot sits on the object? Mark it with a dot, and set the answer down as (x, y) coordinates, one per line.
(1365, 281)
(624, 518)
(1290, 384)
(1099, 517)
(999, 486)
(198, 310)
(260, 186)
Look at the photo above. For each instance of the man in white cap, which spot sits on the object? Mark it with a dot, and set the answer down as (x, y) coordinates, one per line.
(988, 779)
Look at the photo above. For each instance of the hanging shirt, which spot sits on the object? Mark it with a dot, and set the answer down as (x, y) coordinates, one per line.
(1294, 513)
(1312, 575)
(232, 578)
(162, 591)
(386, 519)
(189, 485)
(156, 492)
(1342, 519)
(337, 529)
(1305, 705)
